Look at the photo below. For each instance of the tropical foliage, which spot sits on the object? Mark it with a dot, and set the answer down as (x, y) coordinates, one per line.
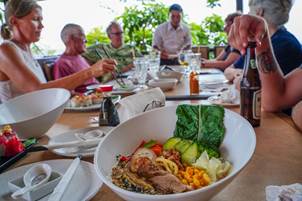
(139, 23)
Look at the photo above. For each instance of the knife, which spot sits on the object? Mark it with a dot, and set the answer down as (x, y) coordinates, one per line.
(59, 190)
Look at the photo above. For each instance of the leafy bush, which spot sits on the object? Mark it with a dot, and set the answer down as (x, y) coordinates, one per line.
(139, 23)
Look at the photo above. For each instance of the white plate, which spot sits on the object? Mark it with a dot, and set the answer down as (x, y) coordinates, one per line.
(83, 185)
(216, 100)
(115, 99)
(69, 137)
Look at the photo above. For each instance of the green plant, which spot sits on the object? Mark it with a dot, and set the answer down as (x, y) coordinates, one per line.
(139, 23)
(96, 35)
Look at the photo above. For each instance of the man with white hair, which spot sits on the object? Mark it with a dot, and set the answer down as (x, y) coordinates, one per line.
(71, 61)
(172, 37)
(287, 48)
(122, 53)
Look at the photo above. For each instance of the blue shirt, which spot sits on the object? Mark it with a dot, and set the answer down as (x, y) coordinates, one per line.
(287, 49)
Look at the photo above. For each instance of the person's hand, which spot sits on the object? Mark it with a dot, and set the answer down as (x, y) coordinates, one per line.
(246, 28)
(103, 66)
(164, 54)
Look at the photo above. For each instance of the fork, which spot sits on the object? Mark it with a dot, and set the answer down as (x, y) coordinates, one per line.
(115, 77)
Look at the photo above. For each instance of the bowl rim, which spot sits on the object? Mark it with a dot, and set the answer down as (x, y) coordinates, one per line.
(33, 92)
(122, 191)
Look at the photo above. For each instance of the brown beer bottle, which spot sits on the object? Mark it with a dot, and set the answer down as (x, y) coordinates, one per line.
(250, 88)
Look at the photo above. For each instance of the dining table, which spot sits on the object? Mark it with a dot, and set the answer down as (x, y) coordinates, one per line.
(277, 159)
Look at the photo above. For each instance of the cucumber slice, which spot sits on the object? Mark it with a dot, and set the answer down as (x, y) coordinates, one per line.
(191, 154)
(183, 145)
(171, 142)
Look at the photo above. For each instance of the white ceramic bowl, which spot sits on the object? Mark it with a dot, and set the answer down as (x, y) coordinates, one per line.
(238, 147)
(170, 74)
(163, 84)
(32, 114)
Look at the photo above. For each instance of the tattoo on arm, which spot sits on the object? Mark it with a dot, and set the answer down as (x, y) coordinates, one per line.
(267, 62)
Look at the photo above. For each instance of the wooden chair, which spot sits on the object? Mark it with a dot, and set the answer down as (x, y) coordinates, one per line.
(47, 64)
(218, 50)
(203, 50)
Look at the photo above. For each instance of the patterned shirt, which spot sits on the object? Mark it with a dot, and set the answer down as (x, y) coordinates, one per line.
(170, 39)
(123, 55)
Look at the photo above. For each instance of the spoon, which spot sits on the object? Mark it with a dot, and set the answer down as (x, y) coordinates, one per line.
(90, 135)
(37, 175)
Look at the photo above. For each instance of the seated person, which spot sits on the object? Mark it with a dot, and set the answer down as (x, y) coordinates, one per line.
(172, 37)
(71, 61)
(19, 72)
(278, 91)
(117, 50)
(229, 55)
(287, 49)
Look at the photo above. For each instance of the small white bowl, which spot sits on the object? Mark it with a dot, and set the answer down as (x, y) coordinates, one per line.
(38, 192)
(170, 74)
(32, 114)
(163, 84)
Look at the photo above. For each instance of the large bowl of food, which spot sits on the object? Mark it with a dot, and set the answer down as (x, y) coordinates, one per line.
(32, 114)
(175, 153)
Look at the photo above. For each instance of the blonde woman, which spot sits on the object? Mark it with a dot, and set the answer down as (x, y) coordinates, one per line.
(19, 72)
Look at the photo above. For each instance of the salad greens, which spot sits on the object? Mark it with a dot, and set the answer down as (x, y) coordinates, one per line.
(202, 124)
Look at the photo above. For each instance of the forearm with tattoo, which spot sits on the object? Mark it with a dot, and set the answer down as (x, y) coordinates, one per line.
(267, 62)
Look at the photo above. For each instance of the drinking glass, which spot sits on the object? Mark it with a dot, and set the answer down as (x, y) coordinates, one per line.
(153, 62)
(194, 60)
(183, 60)
(141, 69)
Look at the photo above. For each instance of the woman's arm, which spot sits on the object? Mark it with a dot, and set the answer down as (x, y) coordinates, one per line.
(13, 66)
(221, 64)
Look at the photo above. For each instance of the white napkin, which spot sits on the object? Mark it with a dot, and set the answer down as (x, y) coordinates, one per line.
(291, 192)
(137, 103)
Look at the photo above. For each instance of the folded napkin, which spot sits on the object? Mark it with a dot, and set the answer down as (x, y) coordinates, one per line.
(291, 192)
(139, 103)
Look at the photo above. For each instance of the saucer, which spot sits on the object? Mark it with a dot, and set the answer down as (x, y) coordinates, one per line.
(217, 100)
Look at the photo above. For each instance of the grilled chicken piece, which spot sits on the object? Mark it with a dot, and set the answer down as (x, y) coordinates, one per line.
(168, 183)
(147, 168)
(136, 159)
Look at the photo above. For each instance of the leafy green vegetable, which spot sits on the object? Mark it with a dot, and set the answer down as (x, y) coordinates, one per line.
(202, 124)
(29, 142)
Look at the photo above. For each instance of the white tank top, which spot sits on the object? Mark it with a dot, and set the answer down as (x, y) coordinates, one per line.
(7, 88)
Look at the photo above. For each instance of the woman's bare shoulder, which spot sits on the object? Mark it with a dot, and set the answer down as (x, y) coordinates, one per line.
(7, 48)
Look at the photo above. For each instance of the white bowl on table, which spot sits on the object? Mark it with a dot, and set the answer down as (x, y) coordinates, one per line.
(32, 114)
(163, 84)
(238, 147)
(170, 74)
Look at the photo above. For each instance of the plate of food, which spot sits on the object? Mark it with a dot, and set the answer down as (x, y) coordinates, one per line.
(89, 102)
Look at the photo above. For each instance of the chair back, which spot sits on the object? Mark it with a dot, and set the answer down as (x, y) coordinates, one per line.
(47, 64)
(203, 50)
(218, 50)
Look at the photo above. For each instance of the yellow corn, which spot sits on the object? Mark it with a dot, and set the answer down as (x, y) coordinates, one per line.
(194, 177)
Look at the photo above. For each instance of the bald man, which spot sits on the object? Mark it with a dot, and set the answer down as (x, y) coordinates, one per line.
(71, 61)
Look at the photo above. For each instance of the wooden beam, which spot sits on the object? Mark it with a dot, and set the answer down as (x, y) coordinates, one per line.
(239, 5)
